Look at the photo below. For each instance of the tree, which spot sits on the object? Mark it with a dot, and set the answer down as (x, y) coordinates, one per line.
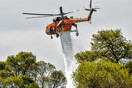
(32, 85)
(13, 65)
(21, 63)
(116, 47)
(87, 56)
(48, 76)
(22, 71)
(3, 65)
(25, 61)
(44, 71)
(129, 66)
(95, 70)
(108, 44)
(102, 74)
(58, 79)
(4, 74)
(16, 81)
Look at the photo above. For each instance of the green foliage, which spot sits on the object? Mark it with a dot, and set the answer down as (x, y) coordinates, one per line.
(45, 68)
(22, 71)
(115, 45)
(3, 65)
(49, 77)
(102, 74)
(96, 71)
(5, 74)
(16, 81)
(26, 79)
(21, 63)
(13, 81)
(32, 85)
(129, 66)
(89, 56)
(107, 44)
(58, 79)
(25, 61)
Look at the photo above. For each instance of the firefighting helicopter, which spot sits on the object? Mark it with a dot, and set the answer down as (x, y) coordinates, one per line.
(62, 23)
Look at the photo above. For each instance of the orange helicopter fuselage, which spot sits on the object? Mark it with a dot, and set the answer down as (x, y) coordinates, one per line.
(66, 24)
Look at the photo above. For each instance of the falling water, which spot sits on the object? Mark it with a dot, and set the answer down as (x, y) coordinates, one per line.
(67, 50)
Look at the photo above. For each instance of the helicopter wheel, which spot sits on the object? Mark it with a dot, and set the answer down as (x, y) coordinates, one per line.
(77, 34)
(51, 37)
(57, 35)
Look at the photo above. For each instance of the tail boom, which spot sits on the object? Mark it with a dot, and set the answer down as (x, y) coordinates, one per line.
(90, 14)
(85, 19)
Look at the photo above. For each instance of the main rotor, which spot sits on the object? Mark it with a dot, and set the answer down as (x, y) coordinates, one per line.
(62, 14)
(90, 7)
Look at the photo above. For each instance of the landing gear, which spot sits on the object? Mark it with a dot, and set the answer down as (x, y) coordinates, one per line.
(57, 35)
(77, 34)
(51, 37)
(75, 25)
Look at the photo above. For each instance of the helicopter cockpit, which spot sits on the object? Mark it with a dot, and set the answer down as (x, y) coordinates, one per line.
(57, 19)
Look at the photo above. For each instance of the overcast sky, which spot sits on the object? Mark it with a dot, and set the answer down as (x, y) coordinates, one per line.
(19, 34)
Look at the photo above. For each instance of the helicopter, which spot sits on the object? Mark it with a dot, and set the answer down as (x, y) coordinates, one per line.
(62, 23)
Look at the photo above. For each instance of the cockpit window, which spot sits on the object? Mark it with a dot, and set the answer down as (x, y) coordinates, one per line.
(54, 20)
(57, 19)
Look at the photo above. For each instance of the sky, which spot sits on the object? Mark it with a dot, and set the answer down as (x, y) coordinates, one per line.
(19, 34)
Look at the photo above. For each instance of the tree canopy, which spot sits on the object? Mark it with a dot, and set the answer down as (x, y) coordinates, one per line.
(109, 44)
(102, 74)
(23, 71)
(101, 67)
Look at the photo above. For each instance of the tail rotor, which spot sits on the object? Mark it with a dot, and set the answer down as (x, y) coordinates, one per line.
(90, 7)
(90, 4)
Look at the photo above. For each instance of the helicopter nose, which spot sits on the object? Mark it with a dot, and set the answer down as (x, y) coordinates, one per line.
(46, 27)
(47, 30)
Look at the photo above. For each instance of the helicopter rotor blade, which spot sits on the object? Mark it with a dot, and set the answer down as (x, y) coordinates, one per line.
(61, 11)
(96, 2)
(44, 15)
(94, 9)
(68, 12)
(87, 9)
(49, 15)
(37, 17)
(77, 10)
(90, 4)
(41, 14)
